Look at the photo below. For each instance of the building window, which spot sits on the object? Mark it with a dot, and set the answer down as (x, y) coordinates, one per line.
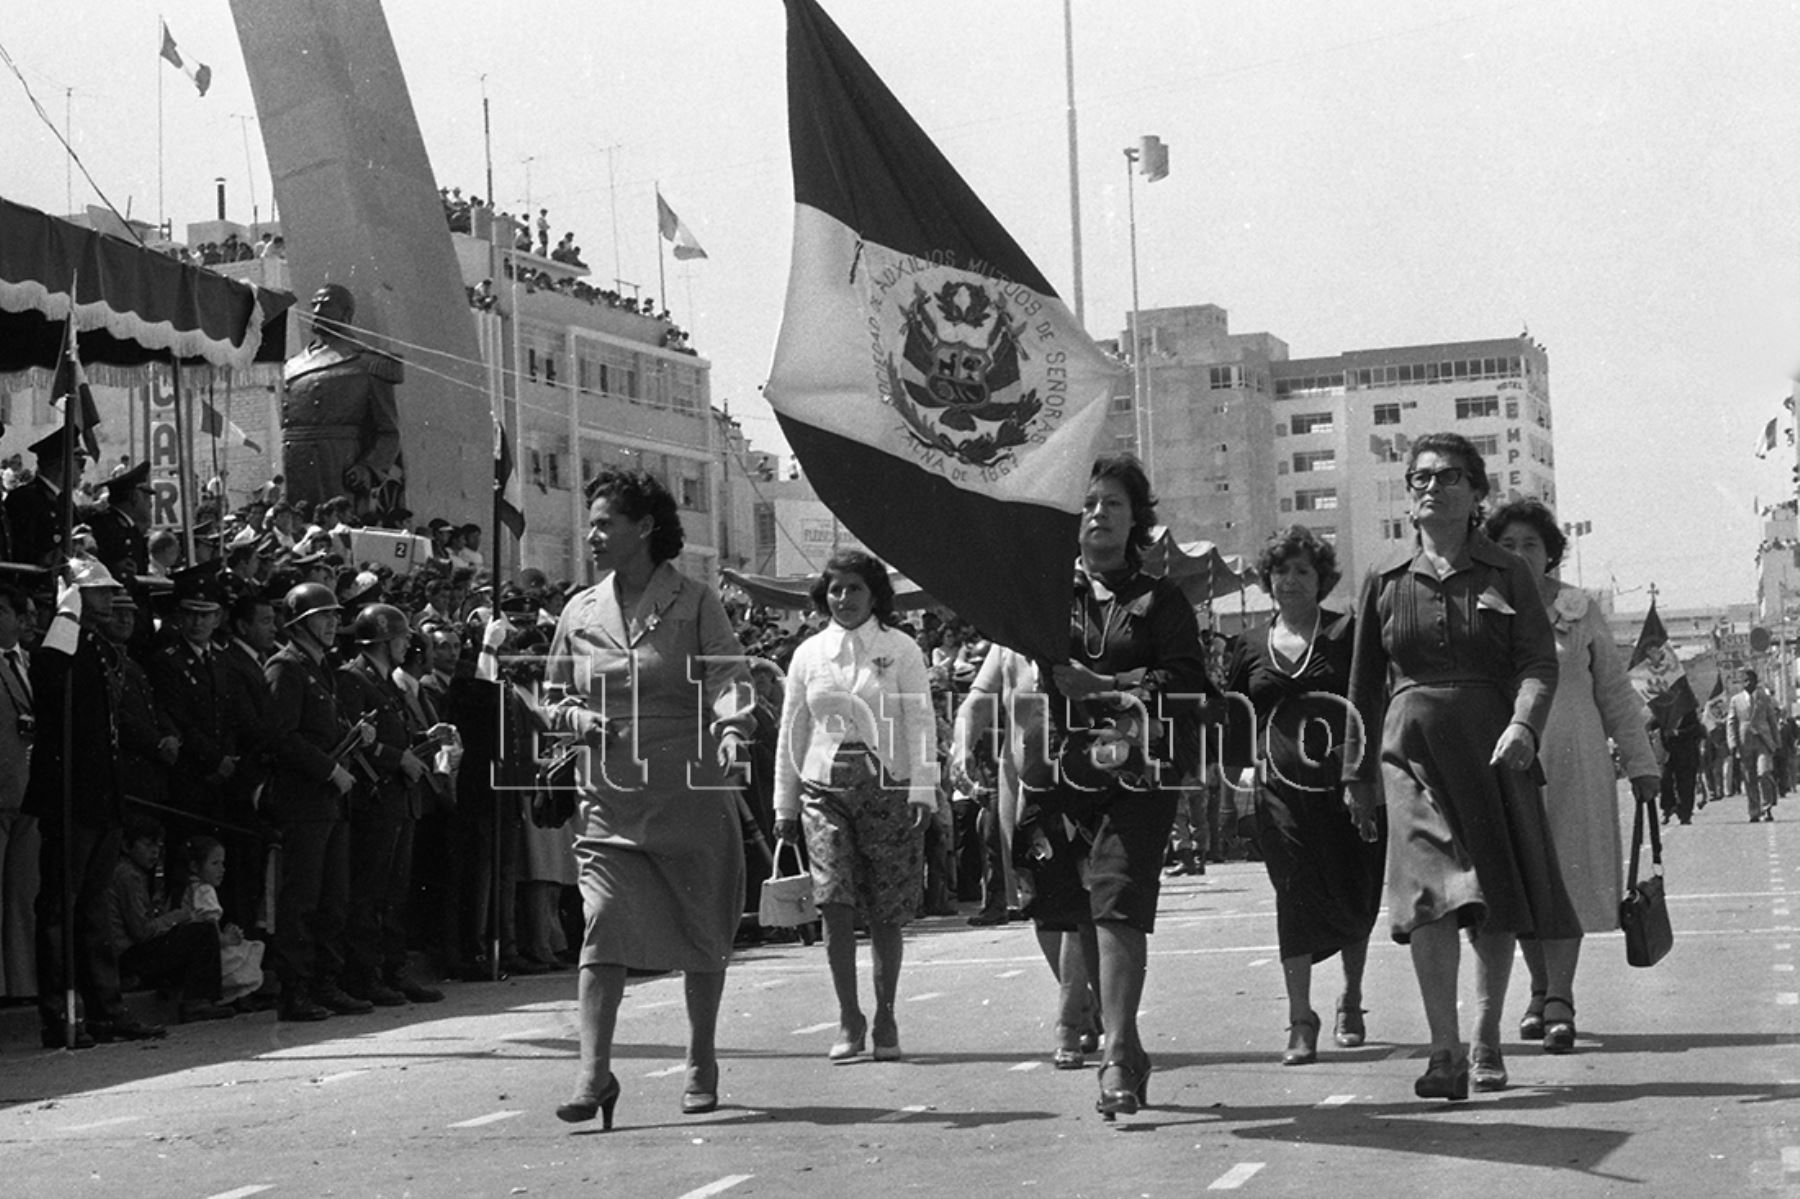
(1387, 414)
(765, 526)
(1224, 378)
(1475, 407)
(1310, 460)
(1321, 499)
(1222, 486)
(553, 470)
(1486, 444)
(1393, 530)
(1122, 402)
(1312, 422)
(1325, 533)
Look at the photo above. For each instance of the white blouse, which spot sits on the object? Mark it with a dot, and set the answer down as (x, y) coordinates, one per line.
(864, 684)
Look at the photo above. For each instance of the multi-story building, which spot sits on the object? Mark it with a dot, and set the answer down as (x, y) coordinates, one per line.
(1244, 439)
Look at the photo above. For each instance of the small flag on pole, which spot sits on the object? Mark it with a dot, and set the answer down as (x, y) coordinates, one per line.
(198, 72)
(943, 400)
(505, 509)
(675, 230)
(213, 423)
(1658, 675)
(71, 380)
(1766, 441)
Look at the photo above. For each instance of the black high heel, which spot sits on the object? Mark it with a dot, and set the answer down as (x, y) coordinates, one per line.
(1132, 1092)
(697, 1100)
(585, 1107)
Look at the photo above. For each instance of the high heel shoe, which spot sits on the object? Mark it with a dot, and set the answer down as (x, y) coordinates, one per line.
(701, 1097)
(1303, 1041)
(1487, 1069)
(1349, 1031)
(1446, 1077)
(1131, 1089)
(585, 1106)
(1068, 1055)
(1531, 1024)
(886, 1037)
(1559, 1035)
(852, 1043)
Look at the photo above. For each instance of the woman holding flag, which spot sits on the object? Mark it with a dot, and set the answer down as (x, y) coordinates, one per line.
(1134, 684)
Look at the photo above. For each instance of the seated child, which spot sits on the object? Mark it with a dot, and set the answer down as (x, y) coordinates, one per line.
(240, 961)
(159, 946)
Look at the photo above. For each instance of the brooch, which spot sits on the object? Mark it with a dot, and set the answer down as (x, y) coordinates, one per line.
(881, 664)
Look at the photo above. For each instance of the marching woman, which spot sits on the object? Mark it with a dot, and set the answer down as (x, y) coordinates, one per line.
(1594, 701)
(1134, 655)
(1325, 866)
(1454, 671)
(659, 847)
(856, 770)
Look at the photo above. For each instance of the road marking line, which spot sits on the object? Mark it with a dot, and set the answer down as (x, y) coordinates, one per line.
(654, 1004)
(667, 1070)
(326, 1080)
(1024, 1066)
(530, 1034)
(1009, 974)
(1788, 998)
(490, 1118)
(244, 1192)
(1235, 1177)
(924, 997)
(1784, 944)
(1261, 961)
(714, 1188)
(813, 1028)
(773, 983)
(1335, 1100)
(101, 1123)
(1784, 967)
(895, 1117)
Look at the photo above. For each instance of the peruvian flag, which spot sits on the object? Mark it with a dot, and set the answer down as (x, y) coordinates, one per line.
(198, 73)
(941, 397)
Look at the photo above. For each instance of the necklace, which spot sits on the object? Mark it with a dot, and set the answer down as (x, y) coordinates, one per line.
(1311, 640)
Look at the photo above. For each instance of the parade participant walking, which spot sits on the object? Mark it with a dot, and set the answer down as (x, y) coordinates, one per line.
(1134, 655)
(1594, 701)
(384, 813)
(1751, 736)
(1325, 865)
(660, 849)
(306, 804)
(1455, 665)
(856, 767)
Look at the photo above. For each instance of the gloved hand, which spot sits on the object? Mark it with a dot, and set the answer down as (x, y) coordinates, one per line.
(342, 779)
(411, 766)
(787, 828)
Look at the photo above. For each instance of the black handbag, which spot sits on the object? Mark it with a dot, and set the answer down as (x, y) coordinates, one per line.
(1644, 912)
(554, 798)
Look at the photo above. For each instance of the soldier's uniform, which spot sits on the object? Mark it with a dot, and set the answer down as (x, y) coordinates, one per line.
(121, 544)
(34, 509)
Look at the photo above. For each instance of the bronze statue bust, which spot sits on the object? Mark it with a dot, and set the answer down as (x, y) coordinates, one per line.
(340, 423)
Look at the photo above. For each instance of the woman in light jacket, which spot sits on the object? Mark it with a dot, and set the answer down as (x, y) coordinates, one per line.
(856, 768)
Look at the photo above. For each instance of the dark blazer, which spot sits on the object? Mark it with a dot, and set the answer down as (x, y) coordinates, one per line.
(247, 708)
(118, 540)
(33, 528)
(89, 674)
(143, 723)
(306, 728)
(187, 691)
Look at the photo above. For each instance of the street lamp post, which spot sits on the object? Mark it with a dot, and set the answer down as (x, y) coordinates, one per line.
(1151, 157)
(1575, 530)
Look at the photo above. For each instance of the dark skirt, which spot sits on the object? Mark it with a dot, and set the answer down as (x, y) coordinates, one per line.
(1111, 870)
(1465, 838)
(1327, 878)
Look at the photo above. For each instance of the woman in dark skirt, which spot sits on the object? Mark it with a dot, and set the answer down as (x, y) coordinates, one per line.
(1325, 864)
(1454, 670)
(1134, 652)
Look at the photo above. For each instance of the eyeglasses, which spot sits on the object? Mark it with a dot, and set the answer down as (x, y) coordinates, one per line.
(1421, 480)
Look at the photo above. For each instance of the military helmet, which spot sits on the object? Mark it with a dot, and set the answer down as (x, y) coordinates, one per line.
(377, 623)
(309, 599)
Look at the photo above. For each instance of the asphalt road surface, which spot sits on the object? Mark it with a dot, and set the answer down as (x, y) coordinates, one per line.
(1685, 1082)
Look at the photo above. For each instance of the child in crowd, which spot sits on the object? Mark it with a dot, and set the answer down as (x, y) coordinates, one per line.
(240, 961)
(161, 946)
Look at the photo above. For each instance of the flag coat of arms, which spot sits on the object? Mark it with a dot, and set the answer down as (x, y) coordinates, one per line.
(941, 398)
(1658, 675)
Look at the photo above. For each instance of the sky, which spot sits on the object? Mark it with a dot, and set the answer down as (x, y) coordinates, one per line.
(1617, 177)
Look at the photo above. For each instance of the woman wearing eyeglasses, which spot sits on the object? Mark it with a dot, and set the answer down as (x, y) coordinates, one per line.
(1455, 665)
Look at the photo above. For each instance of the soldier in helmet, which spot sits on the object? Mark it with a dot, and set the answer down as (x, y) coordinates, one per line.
(384, 812)
(306, 802)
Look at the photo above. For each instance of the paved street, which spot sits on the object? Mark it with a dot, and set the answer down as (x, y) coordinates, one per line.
(1685, 1082)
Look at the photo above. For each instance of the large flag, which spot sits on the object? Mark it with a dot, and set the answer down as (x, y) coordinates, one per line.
(674, 229)
(214, 423)
(1658, 675)
(197, 71)
(71, 381)
(943, 400)
(1765, 441)
(507, 512)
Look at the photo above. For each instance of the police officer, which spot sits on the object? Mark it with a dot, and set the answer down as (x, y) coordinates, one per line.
(33, 510)
(384, 812)
(121, 529)
(306, 802)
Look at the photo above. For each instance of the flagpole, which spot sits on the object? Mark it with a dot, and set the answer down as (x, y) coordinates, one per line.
(66, 501)
(662, 284)
(162, 212)
(218, 418)
(1137, 355)
(184, 457)
(1074, 162)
